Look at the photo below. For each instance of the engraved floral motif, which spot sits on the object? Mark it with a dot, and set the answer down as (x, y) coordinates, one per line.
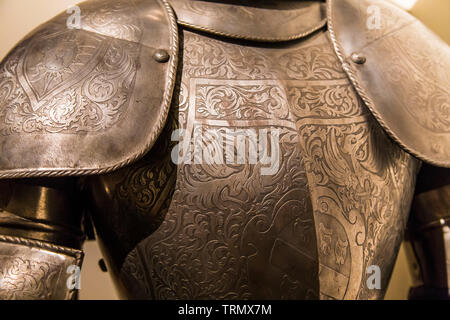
(242, 101)
(212, 59)
(86, 91)
(26, 279)
(145, 186)
(315, 62)
(231, 233)
(117, 19)
(323, 101)
(71, 81)
(427, 101)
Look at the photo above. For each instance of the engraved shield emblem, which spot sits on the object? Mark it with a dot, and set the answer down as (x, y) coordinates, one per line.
(56, 62)
(68, 82)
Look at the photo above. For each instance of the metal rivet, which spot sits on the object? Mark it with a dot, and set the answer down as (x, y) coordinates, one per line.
(161, 55)
(358, 58)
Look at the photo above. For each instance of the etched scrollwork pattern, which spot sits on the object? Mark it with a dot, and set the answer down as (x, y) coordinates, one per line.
(244, 102)
(427, 101)
(338, 203)
(68, 81)
(117, 19)
(26, 279)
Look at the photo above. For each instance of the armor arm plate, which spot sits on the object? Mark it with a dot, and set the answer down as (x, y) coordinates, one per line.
(40, 239)
(429, 234)
(36, 270)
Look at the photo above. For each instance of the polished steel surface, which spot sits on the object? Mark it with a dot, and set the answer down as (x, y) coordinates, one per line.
(252, 20)
(405, 81)
(161, 55)
(89, 100)
(358, 58)
(35, 270)
(337, 205)
(129, 204)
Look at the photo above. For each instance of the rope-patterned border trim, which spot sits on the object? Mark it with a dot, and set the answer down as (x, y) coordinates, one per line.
(352, 74)
(77, 254)
(167, 101)
(306, 33)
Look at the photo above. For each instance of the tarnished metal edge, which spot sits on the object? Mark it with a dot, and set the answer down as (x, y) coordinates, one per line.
(167, 100)
(76, 254)
(319, 26)
(363, 93)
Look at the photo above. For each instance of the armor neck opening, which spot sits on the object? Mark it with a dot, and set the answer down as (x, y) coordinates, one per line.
(264, 21)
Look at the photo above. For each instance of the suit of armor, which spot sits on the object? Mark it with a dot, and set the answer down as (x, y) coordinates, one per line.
(222, 150)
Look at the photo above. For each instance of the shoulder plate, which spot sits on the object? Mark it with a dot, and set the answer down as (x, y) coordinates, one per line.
(88, 100)
(401, 71)
(257, 20)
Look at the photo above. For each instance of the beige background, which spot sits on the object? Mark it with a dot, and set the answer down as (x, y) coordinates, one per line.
(18, 17)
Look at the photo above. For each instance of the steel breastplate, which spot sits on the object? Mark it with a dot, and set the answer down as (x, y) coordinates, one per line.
(337, 204)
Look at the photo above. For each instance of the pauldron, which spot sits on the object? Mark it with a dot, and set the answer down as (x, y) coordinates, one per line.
(88, 100)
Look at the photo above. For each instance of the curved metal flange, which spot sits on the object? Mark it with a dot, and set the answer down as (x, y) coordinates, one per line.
(262, 21)
(400, 69)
